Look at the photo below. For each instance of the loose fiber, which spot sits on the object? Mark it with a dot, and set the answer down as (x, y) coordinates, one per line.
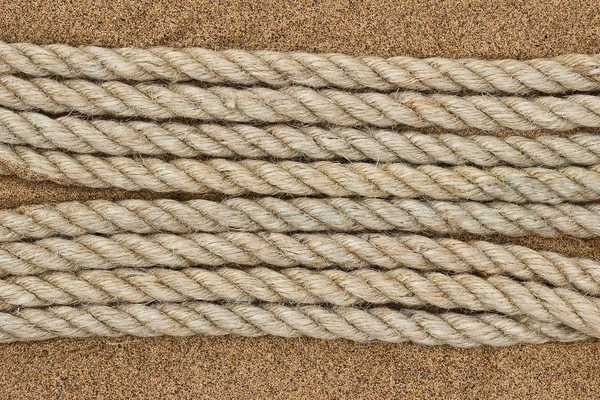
(209, 319)
(322, 255)
(316, 251)
(118, 138)
(300, 214)
(571, 72)
(299, 104)
(233, 178)
(400, 286)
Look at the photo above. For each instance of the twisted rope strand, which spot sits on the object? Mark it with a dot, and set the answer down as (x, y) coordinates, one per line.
(301, 214)
(405, 287)
(365, 286)
(317, 251)
(535, 184)
(299, 104)
(117, 138)
(572, 72)
(199, 318)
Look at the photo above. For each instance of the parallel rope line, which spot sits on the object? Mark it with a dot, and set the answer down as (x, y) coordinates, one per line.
(234, 178)
(314, 251)
(199, 318)
(365, 286)
(299, 104)
(90, 258)
(571, 72)
(117, 138)
(297, 215)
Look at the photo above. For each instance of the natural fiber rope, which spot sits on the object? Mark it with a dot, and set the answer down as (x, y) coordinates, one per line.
(400, 286)
(572, 72)
(301, 214)
(536, 184)
(299, 104)
(199, 318)
(117, 138)
(544, 296)
(285, 251)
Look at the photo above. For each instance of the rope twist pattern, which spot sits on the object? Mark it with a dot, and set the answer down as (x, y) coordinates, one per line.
(234, 178)
(314, 258)
(317, 251)
(117, 138)
(362, 325)
(572, 72)
(399, 286)
(299, 214)
(299, 104)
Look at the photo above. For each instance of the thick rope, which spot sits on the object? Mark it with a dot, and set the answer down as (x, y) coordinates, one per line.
(299, 104)
(117, 138)
(233, 178)
(366, 286)
(572, 72)
(317, 251)
(301, 214)
(199, 318)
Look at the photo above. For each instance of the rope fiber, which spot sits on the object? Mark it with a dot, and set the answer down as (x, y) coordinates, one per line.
(400, 286)
(116, 138)
(316, 201)
(315, 251)
(357, 324)
(333, 179)
(298, 215)
(571, 72)
(299, 104)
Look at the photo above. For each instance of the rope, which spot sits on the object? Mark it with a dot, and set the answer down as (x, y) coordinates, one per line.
(198, 318)
(400, 286)
(285, 251)
(233, 178)
(299, 104)
(301, 214)
(117, 138)
(163, 267)
(573, 72)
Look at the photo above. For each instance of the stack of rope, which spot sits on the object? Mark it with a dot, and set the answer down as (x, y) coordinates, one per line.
(329, 216)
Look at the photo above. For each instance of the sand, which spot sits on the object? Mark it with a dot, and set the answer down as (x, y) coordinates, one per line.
(240, 368)
(279, 368)
(480, 28)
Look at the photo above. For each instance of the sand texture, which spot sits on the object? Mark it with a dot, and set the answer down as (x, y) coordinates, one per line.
(276, 368)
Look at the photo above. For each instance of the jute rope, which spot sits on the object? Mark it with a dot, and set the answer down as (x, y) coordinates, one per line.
(301, 214)
(117, 138)
(572, 72)
(299, 104)
(366, 286)
(164, 267)
(317, 251)
(535, 184)
(199, 318)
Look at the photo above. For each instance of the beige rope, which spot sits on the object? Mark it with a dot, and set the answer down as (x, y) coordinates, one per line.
(572, 72)
(285, 251)
(538, 296)
(199, 318)
(301, 214)
(299, 104)
(400, 286)
(536, 184)
(117, 138)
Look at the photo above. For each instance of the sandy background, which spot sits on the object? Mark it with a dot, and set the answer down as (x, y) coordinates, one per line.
(278, 368)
